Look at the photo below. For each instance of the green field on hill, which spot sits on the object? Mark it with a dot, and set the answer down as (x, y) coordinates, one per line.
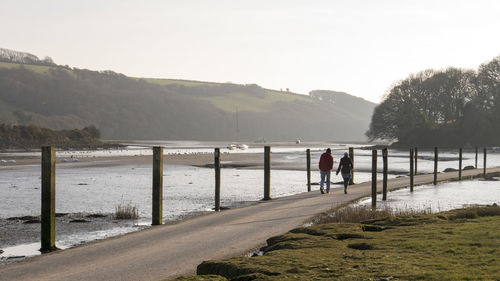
(35, 68)
(229, 102)
(187, 83)
(241, 101)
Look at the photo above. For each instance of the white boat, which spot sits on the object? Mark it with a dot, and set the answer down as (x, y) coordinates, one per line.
(242, 146)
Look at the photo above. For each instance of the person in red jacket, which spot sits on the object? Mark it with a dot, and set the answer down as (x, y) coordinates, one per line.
(325, 168)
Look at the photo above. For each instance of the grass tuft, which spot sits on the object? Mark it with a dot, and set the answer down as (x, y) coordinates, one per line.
(476, 212)
(359, 214)
(465, 214)
(126, 212)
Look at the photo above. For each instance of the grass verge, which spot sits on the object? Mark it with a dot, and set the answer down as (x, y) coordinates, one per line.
(461, 244)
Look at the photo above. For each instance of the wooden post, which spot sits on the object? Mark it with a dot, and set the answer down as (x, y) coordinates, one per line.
(48, 217)
(416, 156)
(435, 165)
(476, 159)
(484, 162)
(384, 181)
(157, 214)
(308, 154)
(267, 172)
(217, 178)
(374, 178)
(351, 155)
(460, 164)
(411, 169)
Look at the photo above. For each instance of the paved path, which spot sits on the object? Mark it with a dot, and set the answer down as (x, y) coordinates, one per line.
(167, 251)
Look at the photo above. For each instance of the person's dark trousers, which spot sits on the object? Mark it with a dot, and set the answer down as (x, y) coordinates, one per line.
(347, 178)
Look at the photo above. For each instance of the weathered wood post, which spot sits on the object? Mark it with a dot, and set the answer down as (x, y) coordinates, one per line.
(374, 178)
(217, 178)
(435, 165)
(48, 217)
(484, 162)
(351, 155)
(416, 156)
(157, 215)
(267, 172)
(411, 169)
(384, 180)
(308, 154)
(460, 164)
(476, 159)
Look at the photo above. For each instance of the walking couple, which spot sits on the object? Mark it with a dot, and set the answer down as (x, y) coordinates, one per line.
(326, 166)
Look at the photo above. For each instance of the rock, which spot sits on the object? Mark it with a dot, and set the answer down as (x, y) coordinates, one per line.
(95, 216)
(469, 168)
(450, 170)
(24, 218)
(360, 246)
(32, 221)
(488, 178)
(1, 251)
(78, 220)
(16, 257)
(374, 228)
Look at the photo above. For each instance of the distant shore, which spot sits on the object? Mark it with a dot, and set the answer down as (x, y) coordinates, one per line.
(237, 160)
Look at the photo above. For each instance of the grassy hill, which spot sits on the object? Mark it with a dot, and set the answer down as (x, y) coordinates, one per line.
(234, 101)
(123, 107)
(35, 68)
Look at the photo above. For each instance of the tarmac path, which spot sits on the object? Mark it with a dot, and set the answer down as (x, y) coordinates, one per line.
(167, 251)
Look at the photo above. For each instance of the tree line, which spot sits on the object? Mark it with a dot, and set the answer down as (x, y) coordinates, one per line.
(12, 56)
(33, 137)
(450, 107)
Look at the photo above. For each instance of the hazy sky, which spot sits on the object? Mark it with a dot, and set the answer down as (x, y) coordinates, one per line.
(360, 47)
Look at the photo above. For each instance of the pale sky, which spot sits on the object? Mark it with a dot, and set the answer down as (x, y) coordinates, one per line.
(359, 47)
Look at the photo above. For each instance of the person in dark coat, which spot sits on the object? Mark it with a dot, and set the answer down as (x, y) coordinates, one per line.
(325, 168)
(346, 167)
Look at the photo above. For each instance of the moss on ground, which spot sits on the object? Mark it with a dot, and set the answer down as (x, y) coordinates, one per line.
(457, 245)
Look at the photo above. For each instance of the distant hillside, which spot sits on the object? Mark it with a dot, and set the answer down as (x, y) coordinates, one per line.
(345, 102)
(133, 108)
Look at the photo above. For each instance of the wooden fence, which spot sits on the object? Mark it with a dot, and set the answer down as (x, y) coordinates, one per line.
(49, 168)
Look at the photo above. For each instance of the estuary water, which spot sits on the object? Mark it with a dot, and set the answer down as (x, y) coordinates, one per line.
(189, 190)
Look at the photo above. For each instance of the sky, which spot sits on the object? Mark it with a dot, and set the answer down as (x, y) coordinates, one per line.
(361, 47)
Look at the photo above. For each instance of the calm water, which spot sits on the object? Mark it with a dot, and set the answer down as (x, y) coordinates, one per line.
(442, 197)
(189, 190)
